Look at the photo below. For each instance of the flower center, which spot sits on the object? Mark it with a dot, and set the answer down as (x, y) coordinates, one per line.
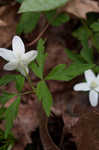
(93, 84)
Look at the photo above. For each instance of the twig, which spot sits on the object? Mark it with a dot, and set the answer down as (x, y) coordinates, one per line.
(44, 135)
(39, 36)
(62, 138)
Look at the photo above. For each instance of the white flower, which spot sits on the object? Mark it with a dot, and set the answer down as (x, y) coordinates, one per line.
(18, 59)
(91, 85)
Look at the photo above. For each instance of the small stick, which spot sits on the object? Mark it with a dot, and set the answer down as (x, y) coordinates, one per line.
(39, 36)
(46, 140)
(62, 138)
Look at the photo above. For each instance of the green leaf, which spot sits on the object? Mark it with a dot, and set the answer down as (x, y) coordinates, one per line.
(56, 20)
(74, 56)
(6, 79)
(60, 19)
(10, 115)
(5, 144)
(2, 111)
(40, 5)
(83, 35)
(19, 82)
(96, 69)
(39, 67)
(28, 22)
(56, 72)
(45, 96)
(96, 41)
(50, 15)
(95, 26)
(35, 68)
(62, 74)
(20, 1)
(5, 97)
(80, 31)
(86, 52)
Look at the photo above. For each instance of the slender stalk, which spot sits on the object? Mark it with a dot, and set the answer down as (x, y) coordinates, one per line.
(46, 139)
(31, 84)
(24, 93)
(29, 81)
(39, 36)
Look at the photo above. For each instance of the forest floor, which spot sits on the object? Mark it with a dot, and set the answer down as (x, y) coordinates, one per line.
(73, 124)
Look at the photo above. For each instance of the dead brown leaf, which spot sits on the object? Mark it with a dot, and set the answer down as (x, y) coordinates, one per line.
(86, 131)
(8, 21)
(2, 23)
(25, 124)
(80, 8)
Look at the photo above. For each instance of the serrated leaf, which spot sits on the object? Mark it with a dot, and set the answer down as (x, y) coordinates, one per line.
(45, 96)
(86, 52)
(10, 115)
(56, 72)
(66, 74)
(28, 22)
(40, 5)
(20, 1)
(35, 68)
(5, 144)
(2, 111)
(5, 97)
(50, 15)
(74, 56)
(40, 48)
(6, 79)
(80, 31)
(40, 59)
(60, 19)
(56, 20)
(19, 82)
(95, 26)
(96, 69)
(83, 35)
(96, 40)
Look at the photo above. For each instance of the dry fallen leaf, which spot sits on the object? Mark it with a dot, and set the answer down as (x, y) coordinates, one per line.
(2, 23)
(25, 124)
(8, 22)
(86, 131)
(80, 8)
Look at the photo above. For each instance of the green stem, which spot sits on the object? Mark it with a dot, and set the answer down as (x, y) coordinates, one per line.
(24, 93)
(29, 81)
(31, 84)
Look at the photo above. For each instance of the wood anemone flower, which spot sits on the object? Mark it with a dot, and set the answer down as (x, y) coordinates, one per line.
(18, 59)
(91, 85)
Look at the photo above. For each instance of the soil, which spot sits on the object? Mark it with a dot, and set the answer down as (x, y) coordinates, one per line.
(73, 124)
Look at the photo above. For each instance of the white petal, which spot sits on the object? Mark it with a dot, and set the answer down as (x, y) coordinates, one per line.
(24, 71)
(97, 89)
(81, 87)
(18, 46)
(7, 54)
(29, 56)
(10, 66)
(93, 98)
(89, 76)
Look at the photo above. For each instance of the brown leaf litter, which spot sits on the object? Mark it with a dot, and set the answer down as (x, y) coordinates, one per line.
(86, 131)
(8, 21)
(80, 8)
